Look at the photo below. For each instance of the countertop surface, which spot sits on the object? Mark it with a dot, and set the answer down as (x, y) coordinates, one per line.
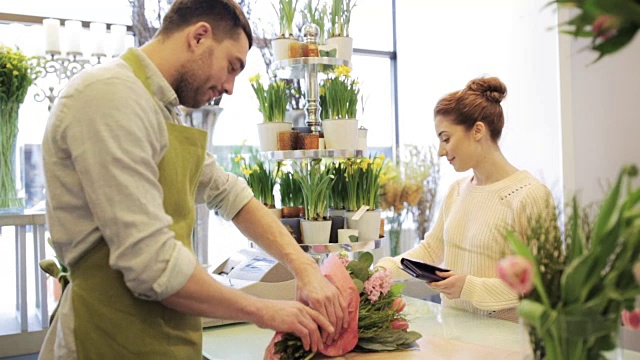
(447, 333)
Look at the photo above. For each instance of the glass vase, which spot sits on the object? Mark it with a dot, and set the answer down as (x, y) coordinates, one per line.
(394, 241)
(9, 200)
(576, 337)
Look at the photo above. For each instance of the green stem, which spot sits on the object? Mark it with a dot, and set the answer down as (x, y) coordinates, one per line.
(8, 136)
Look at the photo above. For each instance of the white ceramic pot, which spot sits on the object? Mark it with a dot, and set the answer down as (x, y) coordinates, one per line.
(368, 225)
(340, 133)
(280, 48)
(315, 232)
(268, 134)
(362, 139)
(344, 46)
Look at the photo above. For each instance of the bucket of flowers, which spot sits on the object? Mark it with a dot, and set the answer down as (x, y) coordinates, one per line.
(578, 284)
(377, 321)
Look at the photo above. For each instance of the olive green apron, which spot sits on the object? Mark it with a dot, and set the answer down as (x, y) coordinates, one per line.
(111, 323)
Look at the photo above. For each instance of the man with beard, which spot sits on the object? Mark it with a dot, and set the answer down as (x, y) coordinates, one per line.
(123, 176)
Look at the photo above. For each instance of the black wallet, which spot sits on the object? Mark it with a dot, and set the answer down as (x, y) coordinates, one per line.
(421, 270)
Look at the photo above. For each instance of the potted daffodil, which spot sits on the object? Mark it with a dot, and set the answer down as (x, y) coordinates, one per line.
(286, 11)
(272, 101)
(339, 95)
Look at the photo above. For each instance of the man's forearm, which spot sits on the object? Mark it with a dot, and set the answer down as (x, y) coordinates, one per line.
(260, 226)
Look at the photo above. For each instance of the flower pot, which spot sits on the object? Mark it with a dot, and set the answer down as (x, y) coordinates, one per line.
(280, 47)
(268, 134)
(368, 225)
(315, 232)
(343, 46)
(340, 133)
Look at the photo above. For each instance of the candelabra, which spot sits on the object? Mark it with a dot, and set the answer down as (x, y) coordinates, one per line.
(56, 68)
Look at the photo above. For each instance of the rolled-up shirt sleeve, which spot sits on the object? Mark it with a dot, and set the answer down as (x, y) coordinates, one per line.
(115, 145)
(221, 190)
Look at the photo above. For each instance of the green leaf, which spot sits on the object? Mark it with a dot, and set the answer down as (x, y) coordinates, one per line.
(366, 259)
(534, 313)
(353, 238)
(359, 284)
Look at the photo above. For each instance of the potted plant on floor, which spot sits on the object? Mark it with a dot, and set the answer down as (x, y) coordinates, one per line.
(315, 183)
(272, 102)
(286, 11)
(339, 96)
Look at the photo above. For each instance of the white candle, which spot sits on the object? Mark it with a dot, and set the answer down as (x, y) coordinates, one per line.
(98, 33)
(51, 35)
(118, 33)
(74, 32)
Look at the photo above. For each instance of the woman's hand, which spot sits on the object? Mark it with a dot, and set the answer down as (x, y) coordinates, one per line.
(451, 286)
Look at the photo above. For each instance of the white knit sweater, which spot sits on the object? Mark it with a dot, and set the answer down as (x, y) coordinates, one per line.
(468, 238)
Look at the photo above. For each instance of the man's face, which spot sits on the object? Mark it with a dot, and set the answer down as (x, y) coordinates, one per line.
(213, 70)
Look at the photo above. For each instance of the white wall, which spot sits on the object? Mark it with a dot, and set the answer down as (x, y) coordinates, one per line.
(601, 115)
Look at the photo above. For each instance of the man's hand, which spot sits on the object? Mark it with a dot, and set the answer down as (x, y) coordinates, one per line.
(294, 317)
(316, 291)
(451, 286)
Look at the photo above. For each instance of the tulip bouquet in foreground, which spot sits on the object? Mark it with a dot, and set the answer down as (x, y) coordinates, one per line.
(580, 283)
(377, 321)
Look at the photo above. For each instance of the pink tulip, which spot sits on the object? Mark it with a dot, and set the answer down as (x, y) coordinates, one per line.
(399, 324)
(605, 26)
(517, 272)
(636, 271)
(398, 305)
(631, 319)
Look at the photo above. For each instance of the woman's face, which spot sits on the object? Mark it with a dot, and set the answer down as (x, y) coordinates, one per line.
(456, 143)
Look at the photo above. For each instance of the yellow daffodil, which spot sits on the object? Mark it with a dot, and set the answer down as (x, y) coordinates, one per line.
(238, 158)
(255, 78)
(9, 66)
(342, 70)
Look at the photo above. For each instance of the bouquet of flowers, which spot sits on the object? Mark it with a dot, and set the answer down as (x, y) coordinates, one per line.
(272, 100)
(577, 283)
(378, 318)
(611, 25)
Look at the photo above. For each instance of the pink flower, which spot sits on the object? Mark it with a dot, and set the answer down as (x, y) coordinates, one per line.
(631, 319)
(399, 324)
(517, 272)
(378, 284)
(636, 271)
(398, 305)
(605, 26)
(344, 258)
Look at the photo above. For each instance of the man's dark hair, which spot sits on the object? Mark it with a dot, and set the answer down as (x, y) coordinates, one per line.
(224, 17)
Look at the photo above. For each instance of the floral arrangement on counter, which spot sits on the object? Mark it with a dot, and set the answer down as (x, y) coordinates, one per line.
(578, 284)
(377, 321)
(272, 100)
(260, 177)
(611, 25)
(339, 95)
